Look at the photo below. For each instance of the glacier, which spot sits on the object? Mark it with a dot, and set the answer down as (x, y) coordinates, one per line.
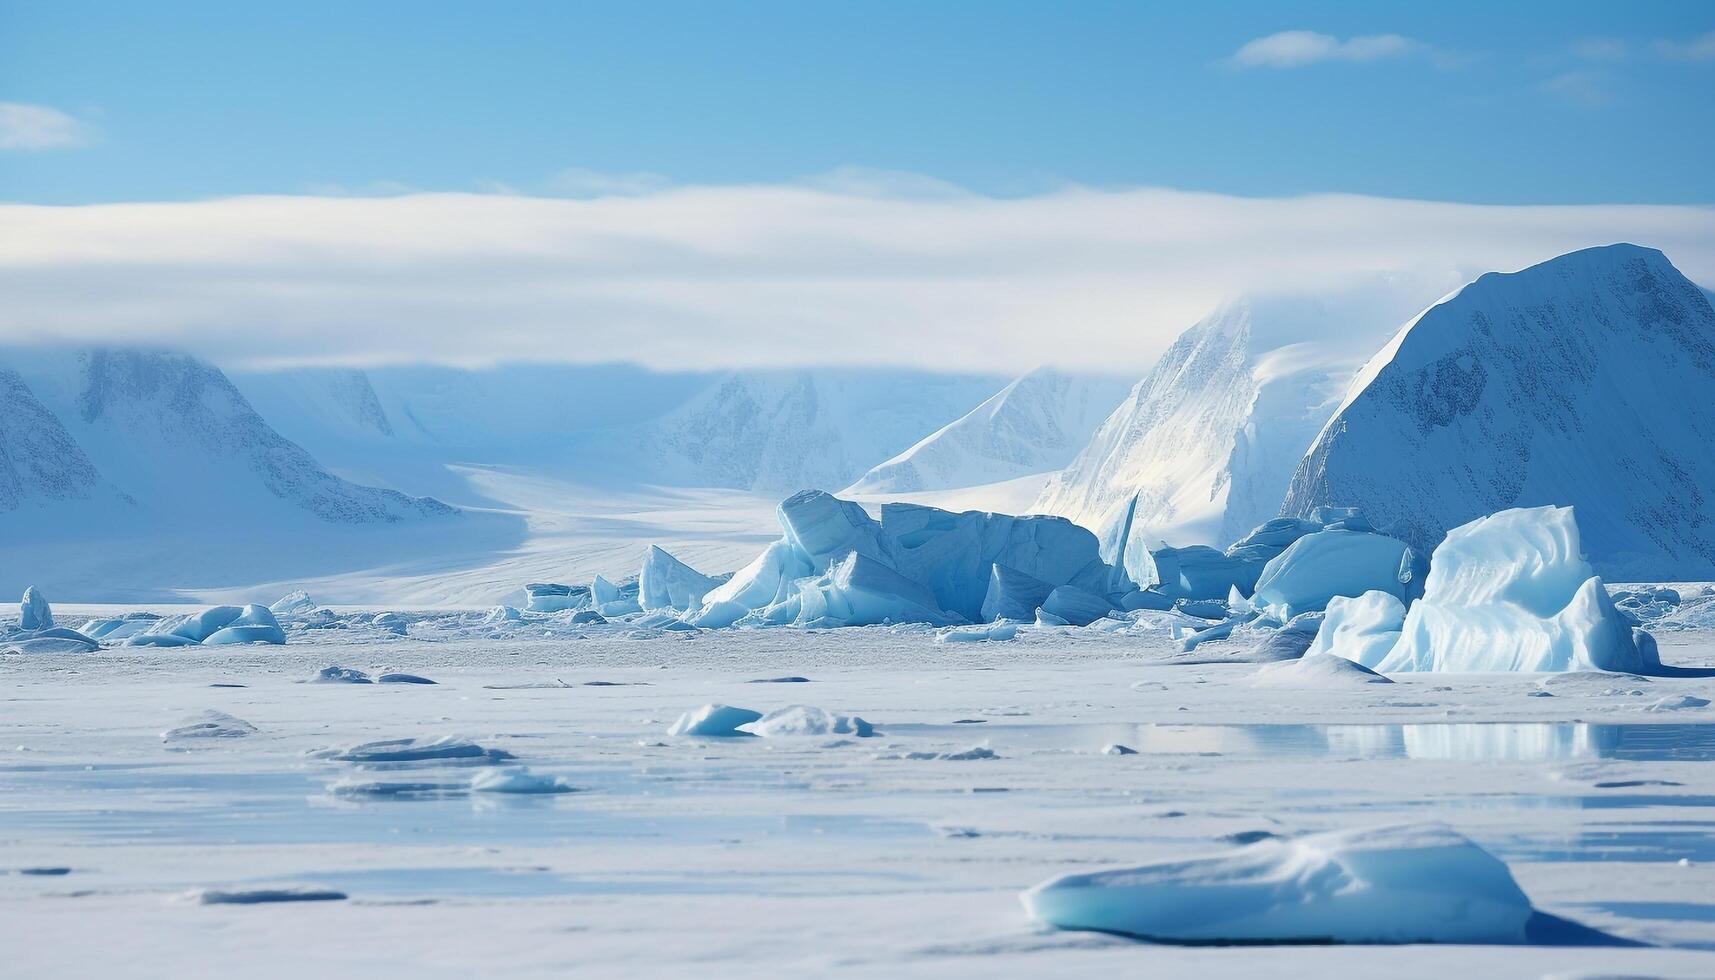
(1404, 884)
(1585, 380)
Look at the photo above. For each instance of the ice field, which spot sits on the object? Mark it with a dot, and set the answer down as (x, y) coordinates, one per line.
(631, 851)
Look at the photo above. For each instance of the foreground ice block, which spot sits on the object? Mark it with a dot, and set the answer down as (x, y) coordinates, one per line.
(1317, 567)
(1363, 630)
(1382, 885)
(35, 611)
(666, 583)
(1513, 592)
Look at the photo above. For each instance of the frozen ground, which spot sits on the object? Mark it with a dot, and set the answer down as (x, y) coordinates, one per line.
(809, 855)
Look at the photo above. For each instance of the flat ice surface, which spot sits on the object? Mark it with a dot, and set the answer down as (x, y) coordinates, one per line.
(901, 855)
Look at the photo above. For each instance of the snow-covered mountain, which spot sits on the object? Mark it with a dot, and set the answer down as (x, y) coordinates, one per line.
(1033, 425)
(1205, 445)
(1587, 380)
(168, 437)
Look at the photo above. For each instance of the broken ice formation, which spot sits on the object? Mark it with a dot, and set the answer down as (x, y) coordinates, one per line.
(518, 780)
(1382, 885)
(1317, 567)
(1363, 630)
(444, 748)
(215, 626)
(549, 597)
(805, 720)
(294, 603)
(716, 720)
(54, 639)
(666, 583)
(1317, 671)
(614, 600)
(989, 633)
(1512, 592)
(254, 624)
(209, 724)
(1076, 606)
(35, 612)
(340, 675)
(863, 591)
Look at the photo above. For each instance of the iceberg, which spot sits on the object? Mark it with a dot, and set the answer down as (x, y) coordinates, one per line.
(766, 581)
(1012, 595)
(549, 597)
(1512, 592)
(1201, 572)
(805, 720)
(254, 624)
(952, 553)
(1410, 884)
(1319, 566)
(823, 529)
(1362, 630)
(714, 720)
(295, 603)
(612, 600)
(1076, 606)
(35, 612)
(667, 584)
(862, 591)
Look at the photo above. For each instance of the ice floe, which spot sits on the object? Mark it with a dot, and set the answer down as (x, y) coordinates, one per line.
(444, 748)
(1384, 885)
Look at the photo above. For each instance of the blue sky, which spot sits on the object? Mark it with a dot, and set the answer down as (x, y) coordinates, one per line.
(1487, 103)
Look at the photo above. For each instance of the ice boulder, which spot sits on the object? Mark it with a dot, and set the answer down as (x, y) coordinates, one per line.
(1411, 884)
(952, 553)
(254, 624)
(1076, 606)
(549, 597)
(1201, 572)
(35, 612)
(861, 591)
(1362, 630)
(805, 720)
(1320, 566)
(714, 720)
(612, 600)
(666, 583)
(1012, 595)
(1512, 592)
(295, 603)
(823, 529)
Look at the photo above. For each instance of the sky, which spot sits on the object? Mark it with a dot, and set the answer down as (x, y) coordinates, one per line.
(941, 163)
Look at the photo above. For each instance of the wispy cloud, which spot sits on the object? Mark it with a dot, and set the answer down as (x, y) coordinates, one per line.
(1697, 49)
(1590, 89)
(579, 182)
(1601, 49)
(1296, 49)
(38, 127)
(724, 276)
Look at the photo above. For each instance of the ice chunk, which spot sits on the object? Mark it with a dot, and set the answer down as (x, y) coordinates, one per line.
(1381, 885)
(666, 583)
(823, 529)
(861, 591)
(196, 627)
(1146, 599)
(295, 603)
(1115, 748)
(35, 612)
(397, 678)
(1271, 538)
(805, 720)
(1679, 702)
(1320, 566)
(1201, 572)
(1012, 595)
(549, 597)
(443, 748)
(519, 780)
(254, 624)
(1513, 592)
(717, 720)
(53, 639)
(209, 724)
(1317, 671)
(611, 600)
(993, 632)
(501, 614)
(762, 583)
(1076, 606)
(260, 896)
(340, 675)
(952, 553)
(1362, 630)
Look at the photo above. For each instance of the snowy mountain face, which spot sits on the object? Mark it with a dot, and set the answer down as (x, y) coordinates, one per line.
(40, 462)
(1033, 425)
(1205, 445)
(1586, 380)
(780, 431)
(174, 435)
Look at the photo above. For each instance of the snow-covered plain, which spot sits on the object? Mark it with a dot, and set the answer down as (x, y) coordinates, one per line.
(622, 850)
